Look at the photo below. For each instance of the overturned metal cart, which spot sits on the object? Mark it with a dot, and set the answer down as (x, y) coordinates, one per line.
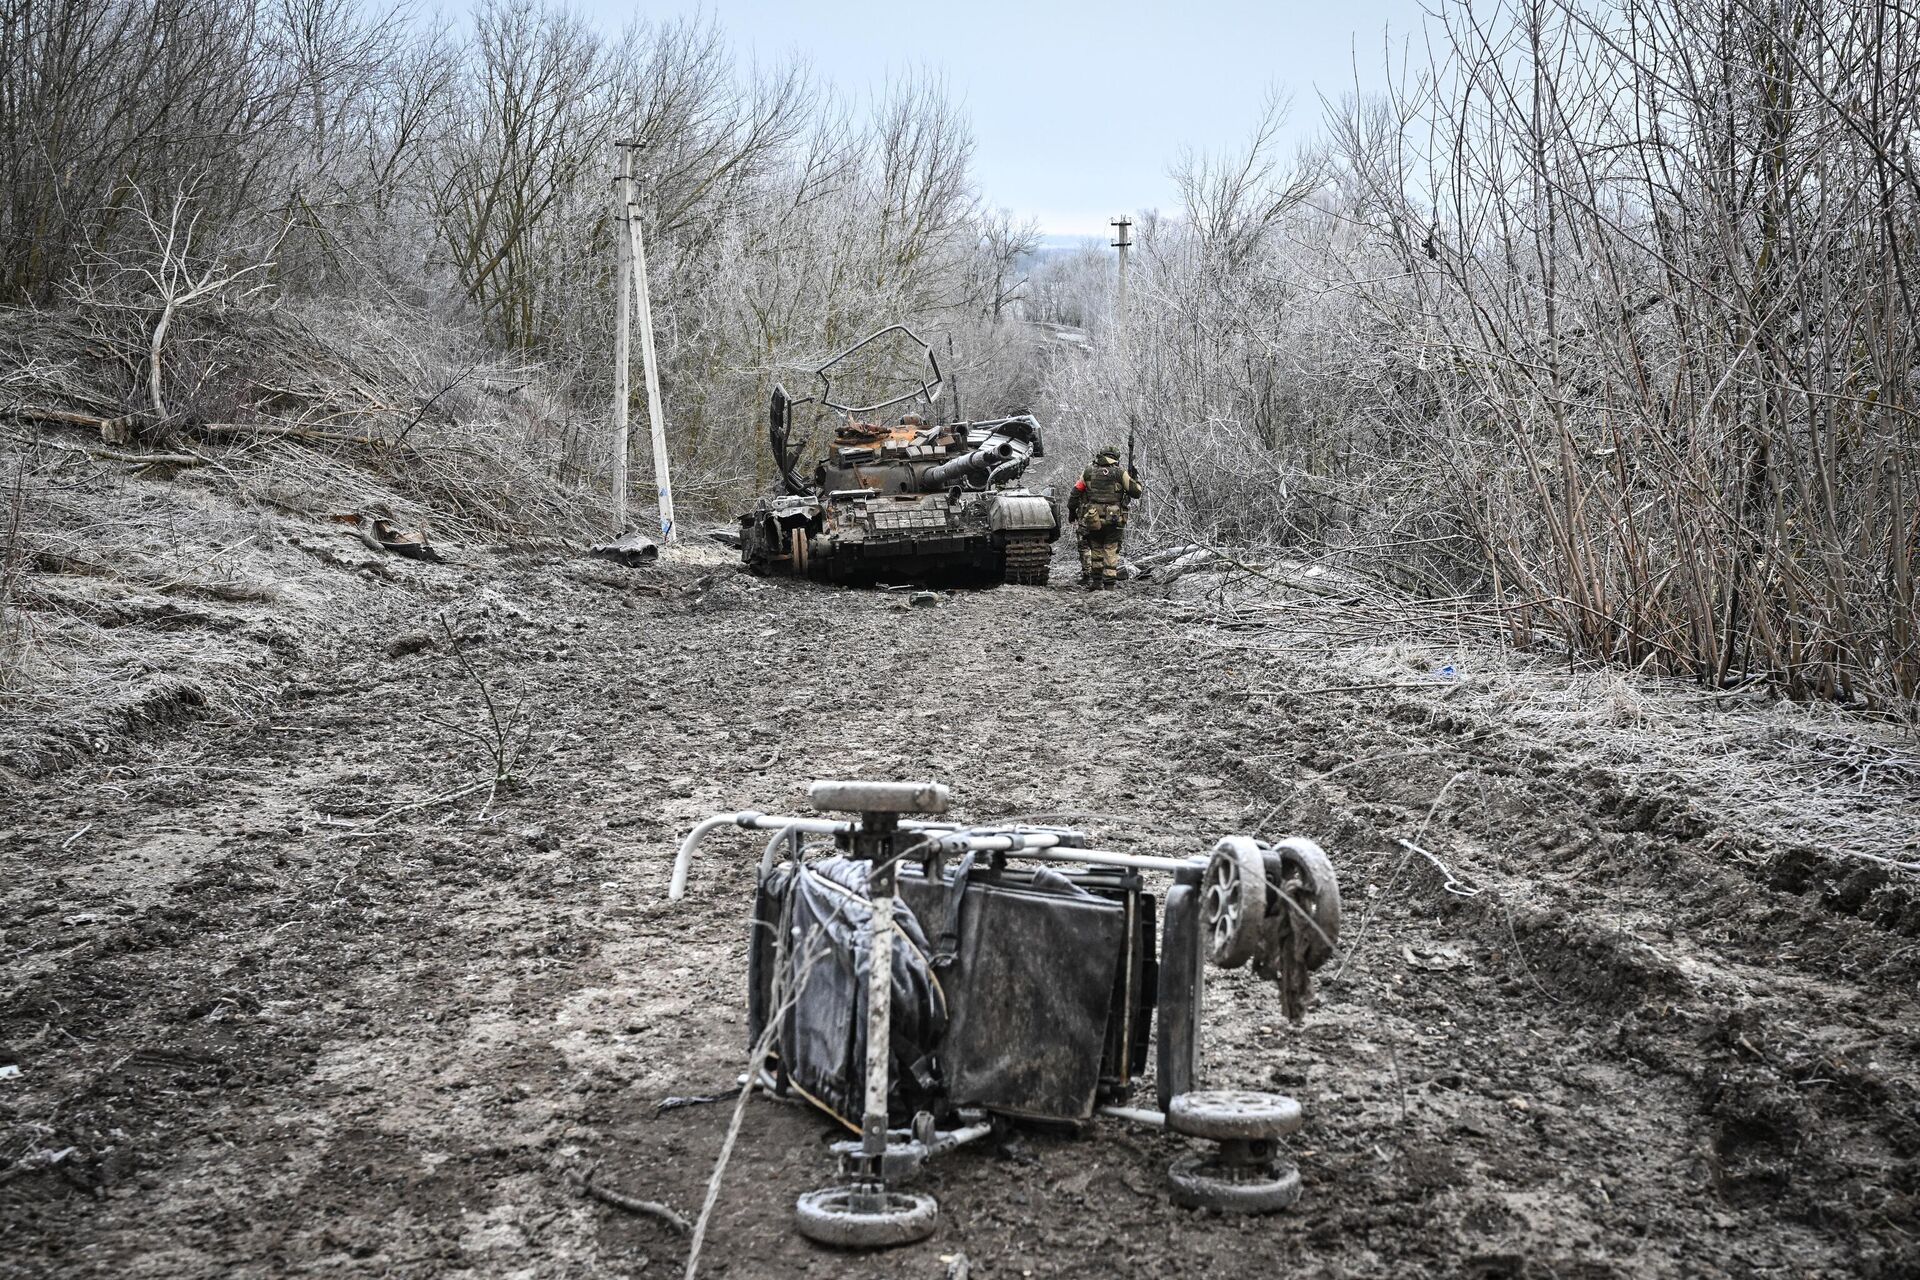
(922, 980)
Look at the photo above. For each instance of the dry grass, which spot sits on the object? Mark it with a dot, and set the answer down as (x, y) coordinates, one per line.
(131, 595)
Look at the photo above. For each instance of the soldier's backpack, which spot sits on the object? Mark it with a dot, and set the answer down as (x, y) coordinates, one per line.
(1106, 484)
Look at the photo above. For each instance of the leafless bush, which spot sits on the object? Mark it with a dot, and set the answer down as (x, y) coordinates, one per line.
(503, 734)
(1607, 313)
(1666, 276)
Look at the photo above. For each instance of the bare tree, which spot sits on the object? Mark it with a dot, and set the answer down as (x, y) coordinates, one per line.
(1606, 311)
(181, 267)
(1006, 248)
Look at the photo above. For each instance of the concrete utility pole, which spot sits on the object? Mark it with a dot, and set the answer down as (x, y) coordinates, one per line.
(633, 276)
(1123, 241)
(622, 321)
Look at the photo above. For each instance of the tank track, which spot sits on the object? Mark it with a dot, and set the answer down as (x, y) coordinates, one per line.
(1029, 560)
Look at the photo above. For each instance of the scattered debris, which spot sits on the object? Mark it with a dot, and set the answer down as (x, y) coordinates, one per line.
(1436, 959)
(629, 549)
(45, 1159)
(380, 534)
(696, 1100)
(1453, 883)
(924, 599)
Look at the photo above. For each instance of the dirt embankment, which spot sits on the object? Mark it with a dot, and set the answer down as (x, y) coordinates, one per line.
(1637, 1010)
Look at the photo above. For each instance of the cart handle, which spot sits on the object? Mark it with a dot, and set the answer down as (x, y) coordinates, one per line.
(1052, 844)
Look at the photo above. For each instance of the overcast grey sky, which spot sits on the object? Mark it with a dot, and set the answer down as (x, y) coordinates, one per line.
(1078, 108)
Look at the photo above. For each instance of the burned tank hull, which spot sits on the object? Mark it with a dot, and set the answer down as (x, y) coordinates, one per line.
(862, 538)
(903, 502)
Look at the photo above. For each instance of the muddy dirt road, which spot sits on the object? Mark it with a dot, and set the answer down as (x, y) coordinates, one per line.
(266, 1025)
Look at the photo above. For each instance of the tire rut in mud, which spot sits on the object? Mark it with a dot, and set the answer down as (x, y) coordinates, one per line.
(1647, 940)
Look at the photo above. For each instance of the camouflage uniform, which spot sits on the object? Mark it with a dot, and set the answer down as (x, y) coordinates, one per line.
(1098, 508)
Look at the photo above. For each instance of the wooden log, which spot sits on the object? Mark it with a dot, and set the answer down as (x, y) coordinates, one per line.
(112, 430)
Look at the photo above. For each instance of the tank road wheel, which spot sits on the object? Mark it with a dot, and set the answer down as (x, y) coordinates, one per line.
(1234, 901)
(858, 1218)
(1204, 1182)
(797, 551)
(1029, 560)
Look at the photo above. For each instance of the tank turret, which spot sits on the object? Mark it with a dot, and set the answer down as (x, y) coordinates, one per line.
(976, 465)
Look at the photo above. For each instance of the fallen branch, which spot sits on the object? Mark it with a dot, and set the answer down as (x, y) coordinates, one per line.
(443, 798)
(108, 426)
(620, 1200)
(114, 455)
(66, 418)
(1193, 555)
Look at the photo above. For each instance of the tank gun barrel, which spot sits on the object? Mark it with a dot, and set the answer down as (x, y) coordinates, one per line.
(978, 463)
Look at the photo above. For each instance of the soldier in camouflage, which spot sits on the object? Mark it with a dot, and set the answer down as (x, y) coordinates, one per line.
(1098, 509)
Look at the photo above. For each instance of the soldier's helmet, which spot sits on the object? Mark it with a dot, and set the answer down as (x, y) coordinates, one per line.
(1107, 453)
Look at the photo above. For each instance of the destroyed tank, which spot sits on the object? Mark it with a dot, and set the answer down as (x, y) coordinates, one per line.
(904, 502)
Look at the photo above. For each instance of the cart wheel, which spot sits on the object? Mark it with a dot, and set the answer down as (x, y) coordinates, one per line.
(1234, 901)
(1182, 983)
(1225, 1115)
(1199, 1182)
(831, 1216)
(1301, 871)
